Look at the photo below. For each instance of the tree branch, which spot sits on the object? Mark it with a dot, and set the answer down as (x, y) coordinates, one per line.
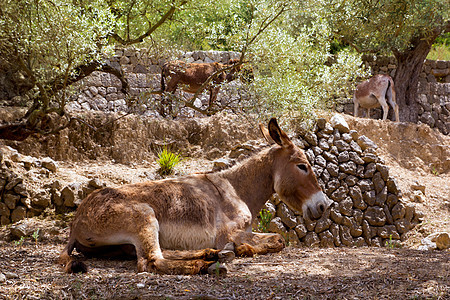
(150, 30)
(83, 71)
(263, 27)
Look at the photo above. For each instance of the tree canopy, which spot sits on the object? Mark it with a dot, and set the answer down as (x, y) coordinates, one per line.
(383, 26)
(47, 45)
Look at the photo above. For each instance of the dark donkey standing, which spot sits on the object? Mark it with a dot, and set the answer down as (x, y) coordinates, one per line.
(208, 216)
(191, 76)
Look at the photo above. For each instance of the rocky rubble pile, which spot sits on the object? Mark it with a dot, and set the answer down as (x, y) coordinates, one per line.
(25, 191)
(17, 199)
(367, 207)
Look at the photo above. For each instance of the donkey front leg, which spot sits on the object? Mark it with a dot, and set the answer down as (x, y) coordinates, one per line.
(251, 243)
(208, 254)
(209, 258)
(150, 258)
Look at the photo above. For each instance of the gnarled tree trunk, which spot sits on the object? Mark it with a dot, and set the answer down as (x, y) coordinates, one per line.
(409, 66)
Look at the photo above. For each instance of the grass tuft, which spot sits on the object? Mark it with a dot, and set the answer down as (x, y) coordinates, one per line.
(439, 52)
(167, 161)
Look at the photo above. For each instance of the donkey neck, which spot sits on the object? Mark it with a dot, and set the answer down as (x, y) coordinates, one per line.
(253, 180)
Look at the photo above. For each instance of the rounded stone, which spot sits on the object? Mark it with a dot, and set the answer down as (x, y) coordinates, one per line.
(375, 216)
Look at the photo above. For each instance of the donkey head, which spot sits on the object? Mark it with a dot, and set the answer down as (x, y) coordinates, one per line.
(294, 178)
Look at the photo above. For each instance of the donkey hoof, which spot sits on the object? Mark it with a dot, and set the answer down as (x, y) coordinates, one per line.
(226, 256)
(229, 246)
(217, 269)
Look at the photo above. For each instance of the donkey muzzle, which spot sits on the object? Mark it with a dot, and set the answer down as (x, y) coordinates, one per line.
(315, 207)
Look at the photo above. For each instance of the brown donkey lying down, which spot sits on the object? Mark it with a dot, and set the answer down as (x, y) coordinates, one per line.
(198, 219)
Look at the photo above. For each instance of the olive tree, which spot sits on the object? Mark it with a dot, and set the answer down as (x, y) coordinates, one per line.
(50, 44)
(292, 75)
(296, 73)
(47, 45)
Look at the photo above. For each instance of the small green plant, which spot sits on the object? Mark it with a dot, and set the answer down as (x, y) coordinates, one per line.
(77, 284)
(19, 243)
(390, 243)
(167, 161)
(217, 270)
(35, 236)
(265, 218)
(434, 171)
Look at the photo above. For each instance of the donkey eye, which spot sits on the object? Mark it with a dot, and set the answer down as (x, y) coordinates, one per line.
(302, 167)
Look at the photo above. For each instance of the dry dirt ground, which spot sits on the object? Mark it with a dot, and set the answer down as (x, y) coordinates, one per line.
(415, 154)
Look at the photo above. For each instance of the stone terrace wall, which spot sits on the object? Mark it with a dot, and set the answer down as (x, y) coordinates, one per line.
(433, 91)
(101, 91)
(367, 208)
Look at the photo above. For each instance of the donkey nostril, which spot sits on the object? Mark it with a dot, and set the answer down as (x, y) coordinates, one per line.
(321, 208)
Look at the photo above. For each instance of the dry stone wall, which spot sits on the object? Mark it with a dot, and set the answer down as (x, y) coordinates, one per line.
(433, 91)
(101, 91)
(17, 199)
(367, 208)
(21, 196)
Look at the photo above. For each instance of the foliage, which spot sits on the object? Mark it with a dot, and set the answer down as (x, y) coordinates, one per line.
(19, 243)
(208, 25)
(439, 52)
(434, 171)
(405, 29)
(138, 19)
(288, 43)
(49, 39)
(443, 39)
(48, 45)
(265, 218)
(380, 26)
(167, 161)
(294, 74)
(391, 244)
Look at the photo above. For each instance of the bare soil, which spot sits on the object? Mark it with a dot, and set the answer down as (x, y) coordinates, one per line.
(414, 154)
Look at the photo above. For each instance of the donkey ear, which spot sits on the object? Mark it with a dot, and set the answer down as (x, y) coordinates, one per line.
(266, 134)
(278, 135)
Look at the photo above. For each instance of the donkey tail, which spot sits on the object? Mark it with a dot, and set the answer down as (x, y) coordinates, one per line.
(390, 92)
(71, 265)
(391, 89)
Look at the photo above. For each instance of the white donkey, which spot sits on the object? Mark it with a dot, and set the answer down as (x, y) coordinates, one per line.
(374, 92)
